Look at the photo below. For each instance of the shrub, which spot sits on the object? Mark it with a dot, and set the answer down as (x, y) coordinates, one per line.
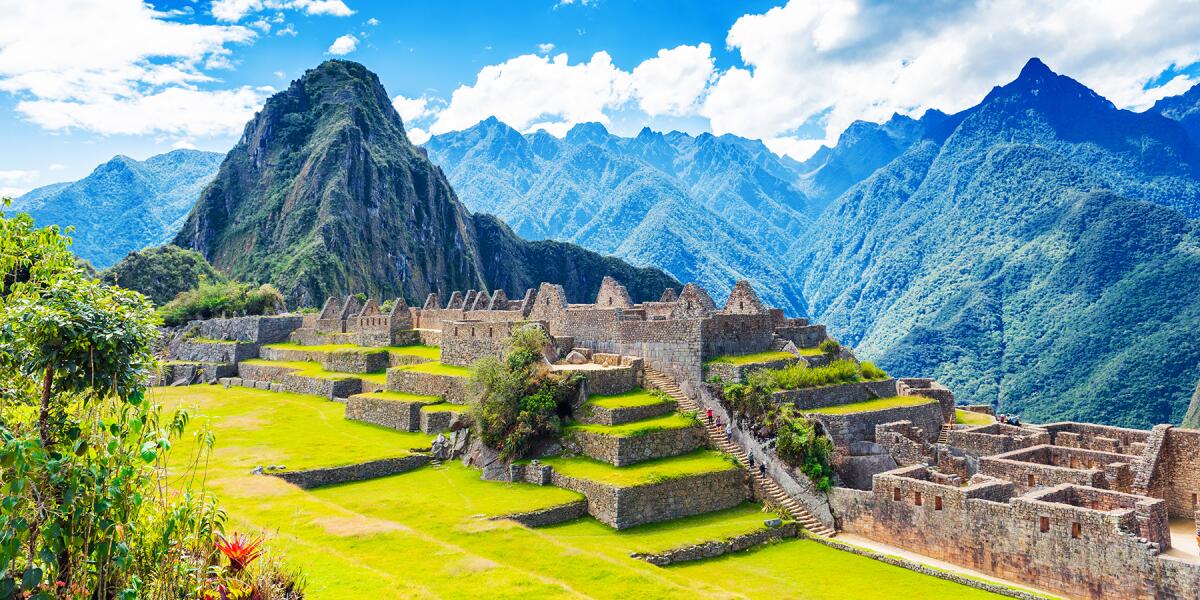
(222, 299)
(799, 444)
(870, 371)
(519, 399)
(161, 273)
(830, 347)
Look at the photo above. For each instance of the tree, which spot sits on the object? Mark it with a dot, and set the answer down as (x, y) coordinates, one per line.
(161, 272)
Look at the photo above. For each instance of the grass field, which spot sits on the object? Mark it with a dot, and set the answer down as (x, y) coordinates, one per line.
(426, 533)
(966, 417)
(445, 407)
(634, 397)
(871, 405)
(436, 368)
(668, 421)
(650, 471)
(402, 397)
(429, 352)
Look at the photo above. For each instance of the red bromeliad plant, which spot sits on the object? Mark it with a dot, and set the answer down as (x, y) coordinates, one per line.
(240, 550)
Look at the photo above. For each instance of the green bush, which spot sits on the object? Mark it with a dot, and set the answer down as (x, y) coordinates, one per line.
(222, 299)
(830, 347)
(872, 372)
(799, 445)
(161, 273)
(801, 376)
(519, 398)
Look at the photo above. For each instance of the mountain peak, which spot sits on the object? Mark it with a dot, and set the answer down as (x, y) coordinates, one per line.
(1035, 68)
(586, 132)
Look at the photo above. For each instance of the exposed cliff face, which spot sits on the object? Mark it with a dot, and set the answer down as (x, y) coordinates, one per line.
(324, 194)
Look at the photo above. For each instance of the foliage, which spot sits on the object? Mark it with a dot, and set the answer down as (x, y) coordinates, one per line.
(161, 273)
(870, 371)
(85, 509)
(800, 445)
(519, 399)
(830, 347)
(800, 376)
(222, 299)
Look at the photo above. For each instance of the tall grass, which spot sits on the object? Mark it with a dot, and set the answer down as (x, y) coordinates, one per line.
(800, 376)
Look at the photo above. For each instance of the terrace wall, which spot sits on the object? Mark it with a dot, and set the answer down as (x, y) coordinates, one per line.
(624, 507)
(449, 388)
(837, 395)
(260, 330)
(622, 451)
(844, 430)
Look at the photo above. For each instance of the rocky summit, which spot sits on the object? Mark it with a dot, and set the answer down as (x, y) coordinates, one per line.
(324, 195)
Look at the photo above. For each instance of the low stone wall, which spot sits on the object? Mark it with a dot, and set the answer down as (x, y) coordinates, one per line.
(438, 421)
(189, 373)
(313, 337)
(804, 336)
(355, 361)
(317, 386)
(624, 507)
(730, 373)
(598, 415)
(715, 548)
(395, 359)
(622, 451)
(609, 380)
(837, 395)
(464, 342)
(548, 516)
(844, 430)
(996, 438)
(214, 352)
(251, 383)
(374, 469)
(290, 354)
(449, 388)
(260, 330)
(379, 339)
(393, 414)
(430, 337)
(263, 372)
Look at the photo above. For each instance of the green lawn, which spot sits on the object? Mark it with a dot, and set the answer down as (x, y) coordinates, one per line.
(204, 340)
(966, 417)
(634, 397)
(650, 471)
(258, 427)
(314, 369)
(426, 533)
(871, 405)
(635, 428)
(445, 407)
(431, 352)
(316, 348)
(757, 357)
(437, 368)
(402, 397)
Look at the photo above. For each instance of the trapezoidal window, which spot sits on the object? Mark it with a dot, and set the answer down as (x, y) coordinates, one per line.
(1032, 480)
(1045, 524)
(896, 494)
(1076, 530)
(917, 498)
(937, 503)
(610, 300)
(1195, 501)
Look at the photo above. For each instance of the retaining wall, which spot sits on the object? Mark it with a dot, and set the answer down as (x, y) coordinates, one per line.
(622, 451)
(314, 478)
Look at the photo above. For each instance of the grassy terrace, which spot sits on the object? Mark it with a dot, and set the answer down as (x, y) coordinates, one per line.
(871, 405)
(636, 428)
(761, 357)
(651, 471)
(445, 407)
(429, 352)
(966, 417)
(425, 534)
(435, 368)
(314, 369)
(401, 397)
(204, 340)
(635, 397)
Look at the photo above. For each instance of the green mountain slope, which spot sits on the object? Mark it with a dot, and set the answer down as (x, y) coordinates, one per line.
(1034, 251)
(324, 194)
(124, 204)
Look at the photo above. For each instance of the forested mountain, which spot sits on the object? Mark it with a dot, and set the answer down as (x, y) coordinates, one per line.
(1035, 250)
(1184, 108)
(324, 194)
(705, 208)
(124, 204)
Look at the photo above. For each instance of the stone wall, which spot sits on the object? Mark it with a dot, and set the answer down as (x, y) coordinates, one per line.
(928, 388)
(1048, 466)
(598, 415)
(1098, 437)
(319, 386)
(374, 469)
(996, 438)
(393, 414)
(263, 372)
(214, 352)
(355, 361)
(548, 516)
(1182, 471)
(260, 330)
(448, 387)
(715, 548)
(185, 373)
(804, 336)
(624, 507)
(622, 451)
(1041, 539)
(844, 430)
(731, 373)
(837, 395)
(609, 380)
(464, 342)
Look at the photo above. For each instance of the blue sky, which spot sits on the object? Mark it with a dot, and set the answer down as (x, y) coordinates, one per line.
(81, 82)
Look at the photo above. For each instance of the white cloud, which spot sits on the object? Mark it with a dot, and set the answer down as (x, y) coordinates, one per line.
(670, 83)
(531, 89)
(343, 45)
(280, 74)
(56, 167)
(15, 182)
(545, 48)
(417, 135)
(373, 22)
(287, 30)
(842, 61)
(118, 66)
(411, 109)
(232, 11)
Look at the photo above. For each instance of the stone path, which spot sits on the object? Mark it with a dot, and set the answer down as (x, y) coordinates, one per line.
(720, 441)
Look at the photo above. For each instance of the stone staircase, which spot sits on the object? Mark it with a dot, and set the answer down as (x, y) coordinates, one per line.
(944, 435)
(770, 488)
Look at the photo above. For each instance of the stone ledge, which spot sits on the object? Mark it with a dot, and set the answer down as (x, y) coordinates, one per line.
(214, 352)
(374, 469)
(715, 548)
(393, 414)
(548, 516)
(599, 415)
(450, 388)
(621, 451)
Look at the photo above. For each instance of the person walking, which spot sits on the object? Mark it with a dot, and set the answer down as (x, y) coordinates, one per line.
(751, 459)
(729, 430)
(709, 413)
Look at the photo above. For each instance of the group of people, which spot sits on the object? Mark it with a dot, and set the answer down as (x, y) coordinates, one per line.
(1009, 419)
(728, 428)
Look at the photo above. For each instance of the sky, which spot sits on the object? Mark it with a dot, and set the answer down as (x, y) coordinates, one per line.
(82, 81)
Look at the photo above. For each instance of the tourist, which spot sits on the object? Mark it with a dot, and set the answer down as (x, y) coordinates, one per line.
(729, 430)
(709, 413)
(751, 458)
(762, 470)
